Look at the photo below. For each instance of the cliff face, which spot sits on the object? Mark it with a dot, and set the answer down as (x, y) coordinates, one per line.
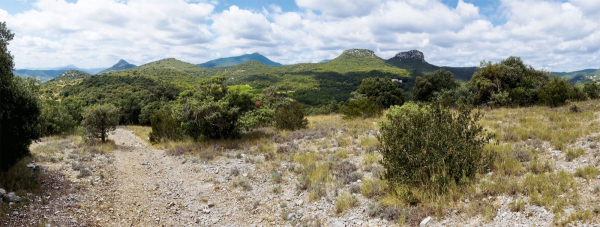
(411, 55)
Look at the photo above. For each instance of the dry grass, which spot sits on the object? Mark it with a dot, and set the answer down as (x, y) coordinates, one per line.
(141, 131)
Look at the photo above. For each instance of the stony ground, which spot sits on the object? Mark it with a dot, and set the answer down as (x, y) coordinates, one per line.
(140, 185)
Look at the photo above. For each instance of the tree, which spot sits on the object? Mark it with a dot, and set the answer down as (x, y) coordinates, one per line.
(99, 120)
(438, 81)
(383, 91)
(19, 108)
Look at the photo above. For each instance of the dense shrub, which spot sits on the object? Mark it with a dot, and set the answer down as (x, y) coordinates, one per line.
(211, 111)
(19, 108)
(383, 91)
(430, 83)
(592, 89)
(429, 146)
(55, 119)
(261, 117)
(361, 106)
(555, 92)
(291, 117)
(462, 95)
(164, 127)
(99, 120)
(510, 75)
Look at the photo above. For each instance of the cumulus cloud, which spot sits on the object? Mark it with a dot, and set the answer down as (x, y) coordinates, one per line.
(554, 35)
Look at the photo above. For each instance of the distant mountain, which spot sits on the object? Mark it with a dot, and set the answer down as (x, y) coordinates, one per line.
(231, 61)
(43, 75)
(120, 66)
(580, 76)
(415, 60)
(325, 60)
(70, 75)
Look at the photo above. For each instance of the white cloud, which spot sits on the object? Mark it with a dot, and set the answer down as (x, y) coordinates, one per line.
(95, 33)
(340, 8)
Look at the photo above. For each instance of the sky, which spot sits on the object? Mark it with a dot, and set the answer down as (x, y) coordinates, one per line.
(554, 35)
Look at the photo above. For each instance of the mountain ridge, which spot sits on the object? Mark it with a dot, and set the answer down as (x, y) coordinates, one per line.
(120, 66)
(235, 60)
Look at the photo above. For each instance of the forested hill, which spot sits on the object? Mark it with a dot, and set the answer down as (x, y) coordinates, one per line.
(70, 75)
(580, 76)
(415, 60)
(231, 61)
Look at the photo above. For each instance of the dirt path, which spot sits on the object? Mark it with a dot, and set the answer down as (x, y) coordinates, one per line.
(153, 189)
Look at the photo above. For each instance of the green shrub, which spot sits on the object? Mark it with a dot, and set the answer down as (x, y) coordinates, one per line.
(429, 146)
(261, 117)
(290, 117)
(55, 119)
(383, 91)
(211, 111)
(361, 107)
(99, 120)
(500, 99)
(164, 127)
(555, 92)
(19, 108)
(431, 83)
(592, 89)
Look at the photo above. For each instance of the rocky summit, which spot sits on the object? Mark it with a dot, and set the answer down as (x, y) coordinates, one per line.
(412, 55)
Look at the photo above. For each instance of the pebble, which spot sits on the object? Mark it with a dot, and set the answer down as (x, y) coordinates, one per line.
(425, 221)
(214, 220)
(206, 211)
(299, 202)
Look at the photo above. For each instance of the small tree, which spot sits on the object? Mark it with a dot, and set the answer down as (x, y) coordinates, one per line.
(98, 120)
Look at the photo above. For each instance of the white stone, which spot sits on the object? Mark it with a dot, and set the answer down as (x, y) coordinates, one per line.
(425, 221)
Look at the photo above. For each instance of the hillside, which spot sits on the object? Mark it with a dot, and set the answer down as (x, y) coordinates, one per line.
(231, 61)
(415, 60)
(70, 75)
(316, 83)
(120, 66)
(580, 76)
(43, 75)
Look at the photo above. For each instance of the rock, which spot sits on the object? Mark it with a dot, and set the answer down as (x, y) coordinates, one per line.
(211, 204)
(299, 202)
(15, 213)
(2, 192)
(11, 197)
(425, 221)
(290, 216)
(214, 220)
(206, 211)
(413, 54)
(73, 221)
(31, 165)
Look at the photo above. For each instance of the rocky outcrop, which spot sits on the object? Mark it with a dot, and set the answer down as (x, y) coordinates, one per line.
(411, 55)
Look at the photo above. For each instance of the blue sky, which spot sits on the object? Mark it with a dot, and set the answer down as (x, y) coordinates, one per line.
(548, 34)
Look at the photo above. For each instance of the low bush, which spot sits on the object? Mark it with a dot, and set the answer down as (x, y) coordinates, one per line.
(430, 146)
(345, 201)
(291, 117)
(164, 127)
